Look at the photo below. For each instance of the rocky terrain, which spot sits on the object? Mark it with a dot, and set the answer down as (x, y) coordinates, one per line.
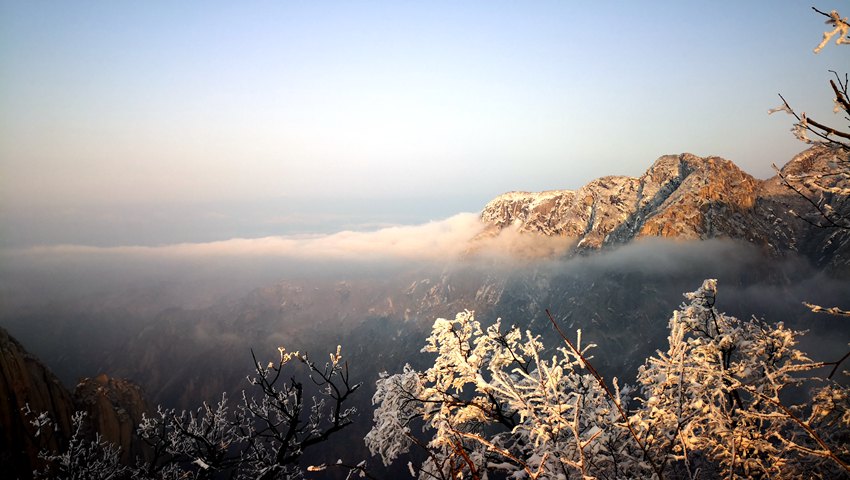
(113, 406)
(685, 197)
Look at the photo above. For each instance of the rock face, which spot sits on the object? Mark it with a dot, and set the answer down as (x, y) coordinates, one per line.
(24, 381)
(114, 408)
(687, 197)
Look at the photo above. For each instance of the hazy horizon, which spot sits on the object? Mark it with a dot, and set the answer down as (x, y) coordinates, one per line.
(189, 190)
(155, 123)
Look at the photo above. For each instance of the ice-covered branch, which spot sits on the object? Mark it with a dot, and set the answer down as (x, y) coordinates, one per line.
(842, 27)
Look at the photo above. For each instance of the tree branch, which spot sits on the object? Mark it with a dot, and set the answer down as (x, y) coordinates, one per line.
(610, 395)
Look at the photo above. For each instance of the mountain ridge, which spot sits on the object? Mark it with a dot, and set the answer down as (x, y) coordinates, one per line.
(681, 196)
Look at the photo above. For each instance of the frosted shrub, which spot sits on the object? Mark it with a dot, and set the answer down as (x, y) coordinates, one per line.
(713, 404)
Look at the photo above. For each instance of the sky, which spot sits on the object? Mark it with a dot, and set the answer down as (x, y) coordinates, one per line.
(151, 123)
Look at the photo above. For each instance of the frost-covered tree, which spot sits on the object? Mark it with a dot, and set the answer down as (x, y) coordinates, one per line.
(494, 401)
(264, 435)
(714, 400)
(712, 404)
(826, 192)
(261, 436)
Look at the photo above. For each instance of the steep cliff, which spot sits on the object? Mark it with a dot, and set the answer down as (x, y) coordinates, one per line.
(686, 197)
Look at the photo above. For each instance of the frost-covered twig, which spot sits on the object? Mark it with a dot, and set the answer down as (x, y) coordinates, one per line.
(532, 474)
(658, 471)
(830, 310)
(360, 469)
(806, 125)
(826, 451)
(825, 211)
(841, 29)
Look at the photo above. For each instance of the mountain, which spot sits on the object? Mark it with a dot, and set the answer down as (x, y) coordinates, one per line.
(114, 408)
(684, 197)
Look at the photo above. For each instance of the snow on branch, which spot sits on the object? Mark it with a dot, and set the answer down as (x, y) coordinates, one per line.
(841, 29)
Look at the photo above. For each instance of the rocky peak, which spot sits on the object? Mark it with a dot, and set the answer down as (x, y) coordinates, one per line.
(694, 205)
(115, 407)
(679, 196)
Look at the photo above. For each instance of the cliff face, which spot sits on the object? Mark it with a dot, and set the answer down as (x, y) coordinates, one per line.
(24, 381)
(114, 407)
(687, 197)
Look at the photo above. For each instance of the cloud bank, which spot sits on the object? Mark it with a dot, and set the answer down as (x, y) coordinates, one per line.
(430, 241)
(459, 236)
(238, 264)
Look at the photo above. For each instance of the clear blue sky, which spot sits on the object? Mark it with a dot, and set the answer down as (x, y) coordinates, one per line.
(155, 122)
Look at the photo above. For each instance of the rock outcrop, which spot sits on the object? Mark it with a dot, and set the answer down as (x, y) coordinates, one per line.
(685, 197)
(29, 389)
(115, 407)
(27, 385)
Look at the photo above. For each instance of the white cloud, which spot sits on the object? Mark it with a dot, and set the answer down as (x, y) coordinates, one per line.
(437, 240)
